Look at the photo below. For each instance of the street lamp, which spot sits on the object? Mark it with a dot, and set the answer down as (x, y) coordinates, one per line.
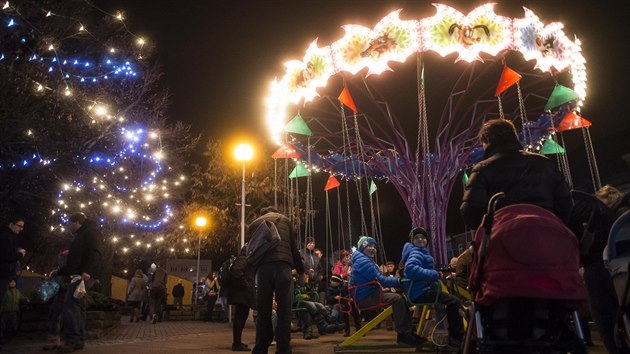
(200, 222)
(243, 153)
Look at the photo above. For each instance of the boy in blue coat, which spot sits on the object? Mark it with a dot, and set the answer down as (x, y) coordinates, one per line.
(424, 286)
(364, 270)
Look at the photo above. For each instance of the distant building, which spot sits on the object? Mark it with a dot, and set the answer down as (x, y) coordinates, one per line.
(187, 268)
(456, 244)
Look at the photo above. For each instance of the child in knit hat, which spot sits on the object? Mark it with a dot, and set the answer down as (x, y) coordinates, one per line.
(364, 271)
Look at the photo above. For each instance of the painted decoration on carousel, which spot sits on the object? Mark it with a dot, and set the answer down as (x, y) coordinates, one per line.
(447, 32)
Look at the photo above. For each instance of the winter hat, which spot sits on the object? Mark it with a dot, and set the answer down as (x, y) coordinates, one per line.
(419, 231)
(336, 278)
(364, 241)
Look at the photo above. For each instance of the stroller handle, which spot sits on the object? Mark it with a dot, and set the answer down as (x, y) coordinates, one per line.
(488, 221)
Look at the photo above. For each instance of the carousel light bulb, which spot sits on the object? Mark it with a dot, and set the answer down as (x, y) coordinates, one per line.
(100, 110)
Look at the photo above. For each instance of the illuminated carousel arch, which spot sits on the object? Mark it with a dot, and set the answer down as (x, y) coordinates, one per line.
(480, 34)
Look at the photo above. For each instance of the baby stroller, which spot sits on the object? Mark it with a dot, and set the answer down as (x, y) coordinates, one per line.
(524, 283)
(618, 255)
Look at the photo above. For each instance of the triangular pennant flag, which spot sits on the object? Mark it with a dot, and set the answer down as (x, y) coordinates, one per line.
(551, 147)
(286, 151)
(297, 125)
(331, 183)
(465, 179)
(372, 187)
(573, 121)
(346, 99)
(508, 78)
(560, 96)
(299, 171)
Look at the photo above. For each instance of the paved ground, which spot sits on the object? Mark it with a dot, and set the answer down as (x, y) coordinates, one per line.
(200, 337)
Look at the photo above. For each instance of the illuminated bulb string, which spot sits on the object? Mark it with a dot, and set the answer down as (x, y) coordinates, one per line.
(142, 202)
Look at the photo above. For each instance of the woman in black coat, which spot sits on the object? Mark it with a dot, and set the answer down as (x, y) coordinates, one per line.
(241, 296)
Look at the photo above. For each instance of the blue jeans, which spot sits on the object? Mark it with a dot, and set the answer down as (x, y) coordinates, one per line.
(54, 316)
(73, 317)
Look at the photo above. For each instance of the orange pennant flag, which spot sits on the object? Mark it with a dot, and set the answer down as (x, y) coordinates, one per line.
(332, 183)
(346, 99)
(573, 121)
(508, 78)
(286, 151)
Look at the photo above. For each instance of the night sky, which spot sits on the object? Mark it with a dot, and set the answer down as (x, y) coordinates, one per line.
(219, 57)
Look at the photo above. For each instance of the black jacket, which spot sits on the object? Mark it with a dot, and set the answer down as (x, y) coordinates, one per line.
(241, 283)
(84, 255)
(286, 250)
(8, 253)
(524, 177)
(603, 218)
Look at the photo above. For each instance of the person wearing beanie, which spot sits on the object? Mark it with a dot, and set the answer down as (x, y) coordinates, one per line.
(424, 285)
(364, 270)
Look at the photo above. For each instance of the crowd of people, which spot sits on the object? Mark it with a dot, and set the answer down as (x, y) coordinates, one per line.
(293, 287)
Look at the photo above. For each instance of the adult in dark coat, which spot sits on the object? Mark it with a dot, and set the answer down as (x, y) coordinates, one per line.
(83, 263)
(273, 276)
(523, 176)
(241, 296)
(10, 253)
(602, 297)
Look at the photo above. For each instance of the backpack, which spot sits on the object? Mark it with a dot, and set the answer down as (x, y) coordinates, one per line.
(264, 238)
(224, 272)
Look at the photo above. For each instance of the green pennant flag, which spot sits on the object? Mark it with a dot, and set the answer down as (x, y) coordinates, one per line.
(299, 171)
(297, 125)
(372, 187)
(465, 179)
(559, 96)
(551, 147)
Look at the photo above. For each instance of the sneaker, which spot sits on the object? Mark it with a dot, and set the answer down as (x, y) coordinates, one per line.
(154, 319)
(409, 340)
(51, 346)
(418, 338)
(240, 347)
(307, 336)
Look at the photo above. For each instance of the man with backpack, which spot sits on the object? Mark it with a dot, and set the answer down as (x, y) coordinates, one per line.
(273, 276)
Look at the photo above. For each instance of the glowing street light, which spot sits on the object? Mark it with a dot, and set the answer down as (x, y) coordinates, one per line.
(200, 223)
(243, 153)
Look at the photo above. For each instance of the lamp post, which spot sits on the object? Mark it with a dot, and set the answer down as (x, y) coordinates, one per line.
(243, 153)
(200, 222)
